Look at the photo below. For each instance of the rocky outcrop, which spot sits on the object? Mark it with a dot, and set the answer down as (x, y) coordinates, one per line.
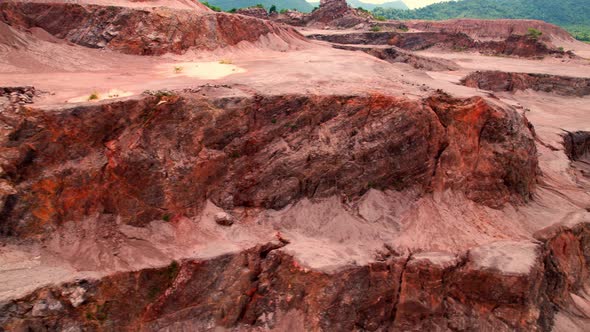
(142, 32)
(396, 55)
(503, 81)
(501, 286)
(121, 158)
(497, 29)
(332, 14)
(257, 12)
(513, 45)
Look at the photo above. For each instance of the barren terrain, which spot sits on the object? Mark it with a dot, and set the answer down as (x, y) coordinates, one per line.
(367, 190)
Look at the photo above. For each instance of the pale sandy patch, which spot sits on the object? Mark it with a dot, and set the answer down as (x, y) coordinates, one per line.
(210, 70)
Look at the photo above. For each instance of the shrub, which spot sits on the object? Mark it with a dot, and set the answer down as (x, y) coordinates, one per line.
(534, 33)
(178, 69)
(272, 9)
(212, 7)
(233, 10)
(94, 96)
(380, 18)
(375, 28)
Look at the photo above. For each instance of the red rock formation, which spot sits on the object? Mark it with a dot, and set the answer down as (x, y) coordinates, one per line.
(513, 45)
(254, 12)
(396, 55)
(120, 158)
(497, 29)
(502, 286)
(142, 32)
(503, 81)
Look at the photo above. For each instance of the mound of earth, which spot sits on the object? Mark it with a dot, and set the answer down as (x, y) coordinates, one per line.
(503, 81)
(251, 180)
(334, 14)
(143, 32)
(499, 29)
(513, 45)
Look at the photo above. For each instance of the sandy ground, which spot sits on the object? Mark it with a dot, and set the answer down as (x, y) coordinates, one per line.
(324, 234)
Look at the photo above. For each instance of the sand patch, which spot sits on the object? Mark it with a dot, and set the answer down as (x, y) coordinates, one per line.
(211, 70)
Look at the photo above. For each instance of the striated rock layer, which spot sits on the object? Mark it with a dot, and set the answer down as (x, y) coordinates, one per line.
(502, 286)
(142, 31)
(134, 158)
(503, 81)
(514, 45)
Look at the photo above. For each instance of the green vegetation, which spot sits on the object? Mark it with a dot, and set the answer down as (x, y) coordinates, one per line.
(375, 28)
(93, 96)
(272, 9)
(534, 33)
(212, 6)
(166, 217)
(573, 15)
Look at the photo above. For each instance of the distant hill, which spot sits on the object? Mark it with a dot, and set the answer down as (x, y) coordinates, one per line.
(397, 4)
(574, 15)
(300, 5)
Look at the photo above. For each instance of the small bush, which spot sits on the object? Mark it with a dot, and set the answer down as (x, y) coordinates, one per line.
(283, 11)
(93, 96)
(272, 9)
(225, 62)
(178, 69)
(534, 33)
(375, 28)
(560, 49)
(212, 7)
(380, 18)
(166, 217)
(233, 10)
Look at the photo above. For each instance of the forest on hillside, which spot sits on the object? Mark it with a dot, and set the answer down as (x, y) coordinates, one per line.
(573, 15)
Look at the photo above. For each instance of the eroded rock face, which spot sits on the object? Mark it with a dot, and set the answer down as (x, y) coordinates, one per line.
(335, 14)
(254, 12)
(503, 81)
(135, 158)
(142, 32)
(502, 286)
(497, 29)
(396, 55)
(514, 45)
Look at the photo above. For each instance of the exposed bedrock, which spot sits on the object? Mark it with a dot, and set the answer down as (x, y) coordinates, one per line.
(166, 154)
(503, 81)
(397, 55)
(481, 29)
(514, 45)
(501, 286)
(142, 32)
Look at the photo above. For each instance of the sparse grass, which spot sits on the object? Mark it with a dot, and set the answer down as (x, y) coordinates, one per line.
(178, 69)
(560, 49)
(380, 18)
(93, 96)
(375, 28)
(225, 62)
